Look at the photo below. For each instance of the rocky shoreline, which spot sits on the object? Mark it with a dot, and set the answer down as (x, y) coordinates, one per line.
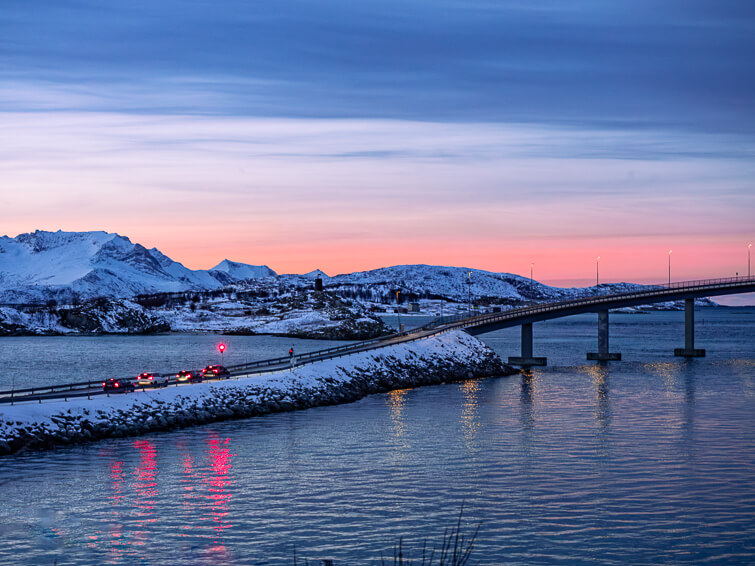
(445, 358)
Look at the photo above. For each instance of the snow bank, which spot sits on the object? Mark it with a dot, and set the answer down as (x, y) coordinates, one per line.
(448, 357)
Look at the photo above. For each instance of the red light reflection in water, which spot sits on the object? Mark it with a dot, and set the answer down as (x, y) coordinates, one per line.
(145, 487)
(188, 481)
(217, 481)
(114, 536)
(116, 481)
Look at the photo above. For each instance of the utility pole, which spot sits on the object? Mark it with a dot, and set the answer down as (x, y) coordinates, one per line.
(597, 271)
(398, 312)
(469, 295)
(532, 268)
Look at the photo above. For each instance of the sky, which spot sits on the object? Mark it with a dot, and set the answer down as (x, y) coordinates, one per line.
(347, 135)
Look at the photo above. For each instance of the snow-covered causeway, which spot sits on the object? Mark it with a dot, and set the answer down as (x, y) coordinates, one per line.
(446, 357)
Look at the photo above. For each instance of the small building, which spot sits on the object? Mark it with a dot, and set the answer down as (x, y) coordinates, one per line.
(414, 307)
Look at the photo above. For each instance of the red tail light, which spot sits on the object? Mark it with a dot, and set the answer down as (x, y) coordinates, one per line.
(116, 384)
(103, 384)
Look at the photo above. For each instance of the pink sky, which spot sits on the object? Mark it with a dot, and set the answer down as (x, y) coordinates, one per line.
(348, 195)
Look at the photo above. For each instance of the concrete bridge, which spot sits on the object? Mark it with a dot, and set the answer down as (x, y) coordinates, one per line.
(601, 304)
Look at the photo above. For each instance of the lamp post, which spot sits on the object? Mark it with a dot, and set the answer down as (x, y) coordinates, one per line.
(669, 267)
(597, 271)
(532, 268)
(469, 295)
(749, 247)
(398, 312)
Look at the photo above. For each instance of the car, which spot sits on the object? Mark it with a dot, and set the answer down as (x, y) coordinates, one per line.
(149, 379)
(188, 375)
(215, 372)
(118, 385)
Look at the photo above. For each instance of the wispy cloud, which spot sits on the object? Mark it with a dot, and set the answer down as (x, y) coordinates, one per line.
(684, 65)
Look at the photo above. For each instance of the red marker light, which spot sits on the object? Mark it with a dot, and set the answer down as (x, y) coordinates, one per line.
(221, 347)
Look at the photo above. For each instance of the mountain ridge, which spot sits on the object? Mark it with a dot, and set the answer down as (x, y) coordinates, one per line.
(43, 266)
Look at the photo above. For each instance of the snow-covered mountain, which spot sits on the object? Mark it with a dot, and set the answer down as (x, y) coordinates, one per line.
(240, 271)
(40, 266)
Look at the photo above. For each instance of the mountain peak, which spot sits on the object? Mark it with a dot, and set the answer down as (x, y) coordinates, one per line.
(316, 273)
(239, 270)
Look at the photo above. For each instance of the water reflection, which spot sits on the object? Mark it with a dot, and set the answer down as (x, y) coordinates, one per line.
(145, 488)
(218, 481)
(527, 399)
(116, 477)
(689, 405)
(599, 376)
(667, 371)
(469, 409)
(188, 485)
(117, 545)
(396, 401)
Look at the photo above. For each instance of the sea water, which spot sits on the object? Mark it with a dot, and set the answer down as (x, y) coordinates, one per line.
(648, 460)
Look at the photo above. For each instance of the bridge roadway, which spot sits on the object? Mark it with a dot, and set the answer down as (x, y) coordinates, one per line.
(475, 325)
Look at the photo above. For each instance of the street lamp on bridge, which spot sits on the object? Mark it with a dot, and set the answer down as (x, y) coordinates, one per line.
(669, 267)
(597, 271)
(532, 268)
(749, 247)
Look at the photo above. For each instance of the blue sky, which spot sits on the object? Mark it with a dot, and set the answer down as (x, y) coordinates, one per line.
(684, 64)
(624, 127)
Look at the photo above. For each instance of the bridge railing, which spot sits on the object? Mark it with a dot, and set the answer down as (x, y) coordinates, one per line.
(649, 292)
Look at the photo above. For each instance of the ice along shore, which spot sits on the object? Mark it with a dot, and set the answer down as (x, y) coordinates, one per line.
(442, 358)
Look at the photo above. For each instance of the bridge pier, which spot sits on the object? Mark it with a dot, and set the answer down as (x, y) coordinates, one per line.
(603, 355)
(527, 359)
(689, 350)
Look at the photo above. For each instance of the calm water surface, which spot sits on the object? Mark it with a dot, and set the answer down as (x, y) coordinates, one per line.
(649, 460)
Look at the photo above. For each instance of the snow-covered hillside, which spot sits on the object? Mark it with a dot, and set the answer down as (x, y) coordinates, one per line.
(458, 284)
(63, 266)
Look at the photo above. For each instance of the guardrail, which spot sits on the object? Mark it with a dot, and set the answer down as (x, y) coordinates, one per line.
(86, 388)
(436, 326)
